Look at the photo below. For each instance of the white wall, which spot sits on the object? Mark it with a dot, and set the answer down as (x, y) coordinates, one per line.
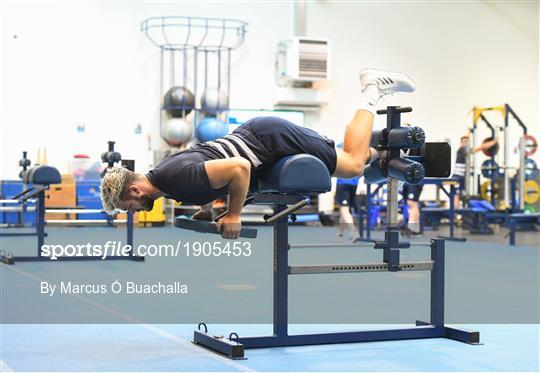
(89, 63)
(81, 62)
(460, 54)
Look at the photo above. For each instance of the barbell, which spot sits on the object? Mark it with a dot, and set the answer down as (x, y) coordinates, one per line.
(489, 167)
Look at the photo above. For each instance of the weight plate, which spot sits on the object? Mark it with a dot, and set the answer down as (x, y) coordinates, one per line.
(485, 191)
(530, 145)
(532, 192)
(488, 167)
(529, 209)
(531, 169)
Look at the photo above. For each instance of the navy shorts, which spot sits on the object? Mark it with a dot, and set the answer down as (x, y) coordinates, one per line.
(345, 195)
(279, 138)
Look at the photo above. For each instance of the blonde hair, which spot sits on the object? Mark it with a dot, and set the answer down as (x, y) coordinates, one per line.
(113, 185)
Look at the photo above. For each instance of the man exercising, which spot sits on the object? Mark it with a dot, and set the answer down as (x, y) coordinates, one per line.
(226, 166)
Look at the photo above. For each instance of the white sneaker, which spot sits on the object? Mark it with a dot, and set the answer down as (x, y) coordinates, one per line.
(387, 82)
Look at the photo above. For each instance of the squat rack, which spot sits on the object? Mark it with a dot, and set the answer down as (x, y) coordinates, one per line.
(507, 113)
(185, 41)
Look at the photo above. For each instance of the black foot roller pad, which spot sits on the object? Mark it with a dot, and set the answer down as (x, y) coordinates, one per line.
(202, 226)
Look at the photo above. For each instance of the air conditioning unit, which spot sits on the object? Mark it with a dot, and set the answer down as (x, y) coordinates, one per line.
(303, 59)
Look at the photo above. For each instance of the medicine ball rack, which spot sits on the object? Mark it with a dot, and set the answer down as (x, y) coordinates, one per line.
(185, 43)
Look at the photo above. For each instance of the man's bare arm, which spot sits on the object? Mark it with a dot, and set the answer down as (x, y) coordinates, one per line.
(233, 173)
(484, 146)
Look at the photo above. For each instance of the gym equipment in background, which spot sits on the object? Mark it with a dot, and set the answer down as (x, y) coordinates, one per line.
(24, 162)
(287, 184)
(511, 195)
(472, 187)
(178, 102)
(211, 129)
(39, 179)
(17, 212)
(177, 131)
(214, 100)
(515, 220)
(79, 202)
(195, 56)
(110, 157)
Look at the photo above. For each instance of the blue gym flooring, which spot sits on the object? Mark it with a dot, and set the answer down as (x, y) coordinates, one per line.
(168, 348)
(494, 283)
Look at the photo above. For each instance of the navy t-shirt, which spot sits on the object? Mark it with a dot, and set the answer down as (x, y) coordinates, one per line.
(461, 156)
(182, 177)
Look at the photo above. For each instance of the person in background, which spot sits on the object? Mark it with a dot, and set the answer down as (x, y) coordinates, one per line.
(461, 161)
(345, 198)
(411, 196)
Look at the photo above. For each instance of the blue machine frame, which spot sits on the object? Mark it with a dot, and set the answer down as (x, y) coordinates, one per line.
(441, 183)
(234, 345)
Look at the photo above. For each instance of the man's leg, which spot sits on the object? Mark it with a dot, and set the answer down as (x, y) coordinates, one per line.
(355, 153)
(352, 158)
(345, 195)
(413, 205)
(414, 216)
(456, 201)
(345, 218)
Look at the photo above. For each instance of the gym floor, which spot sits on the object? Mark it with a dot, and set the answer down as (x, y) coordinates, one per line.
(491, 287)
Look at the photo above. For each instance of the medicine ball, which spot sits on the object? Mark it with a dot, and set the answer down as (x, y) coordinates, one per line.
(210, 129)
(177, 131)
(178, 101)
(214, 100)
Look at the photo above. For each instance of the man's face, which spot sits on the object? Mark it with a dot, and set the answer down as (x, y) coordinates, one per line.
(464, 141)
(136, 200)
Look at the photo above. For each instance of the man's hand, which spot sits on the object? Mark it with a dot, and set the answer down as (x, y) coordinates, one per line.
(230, 226)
